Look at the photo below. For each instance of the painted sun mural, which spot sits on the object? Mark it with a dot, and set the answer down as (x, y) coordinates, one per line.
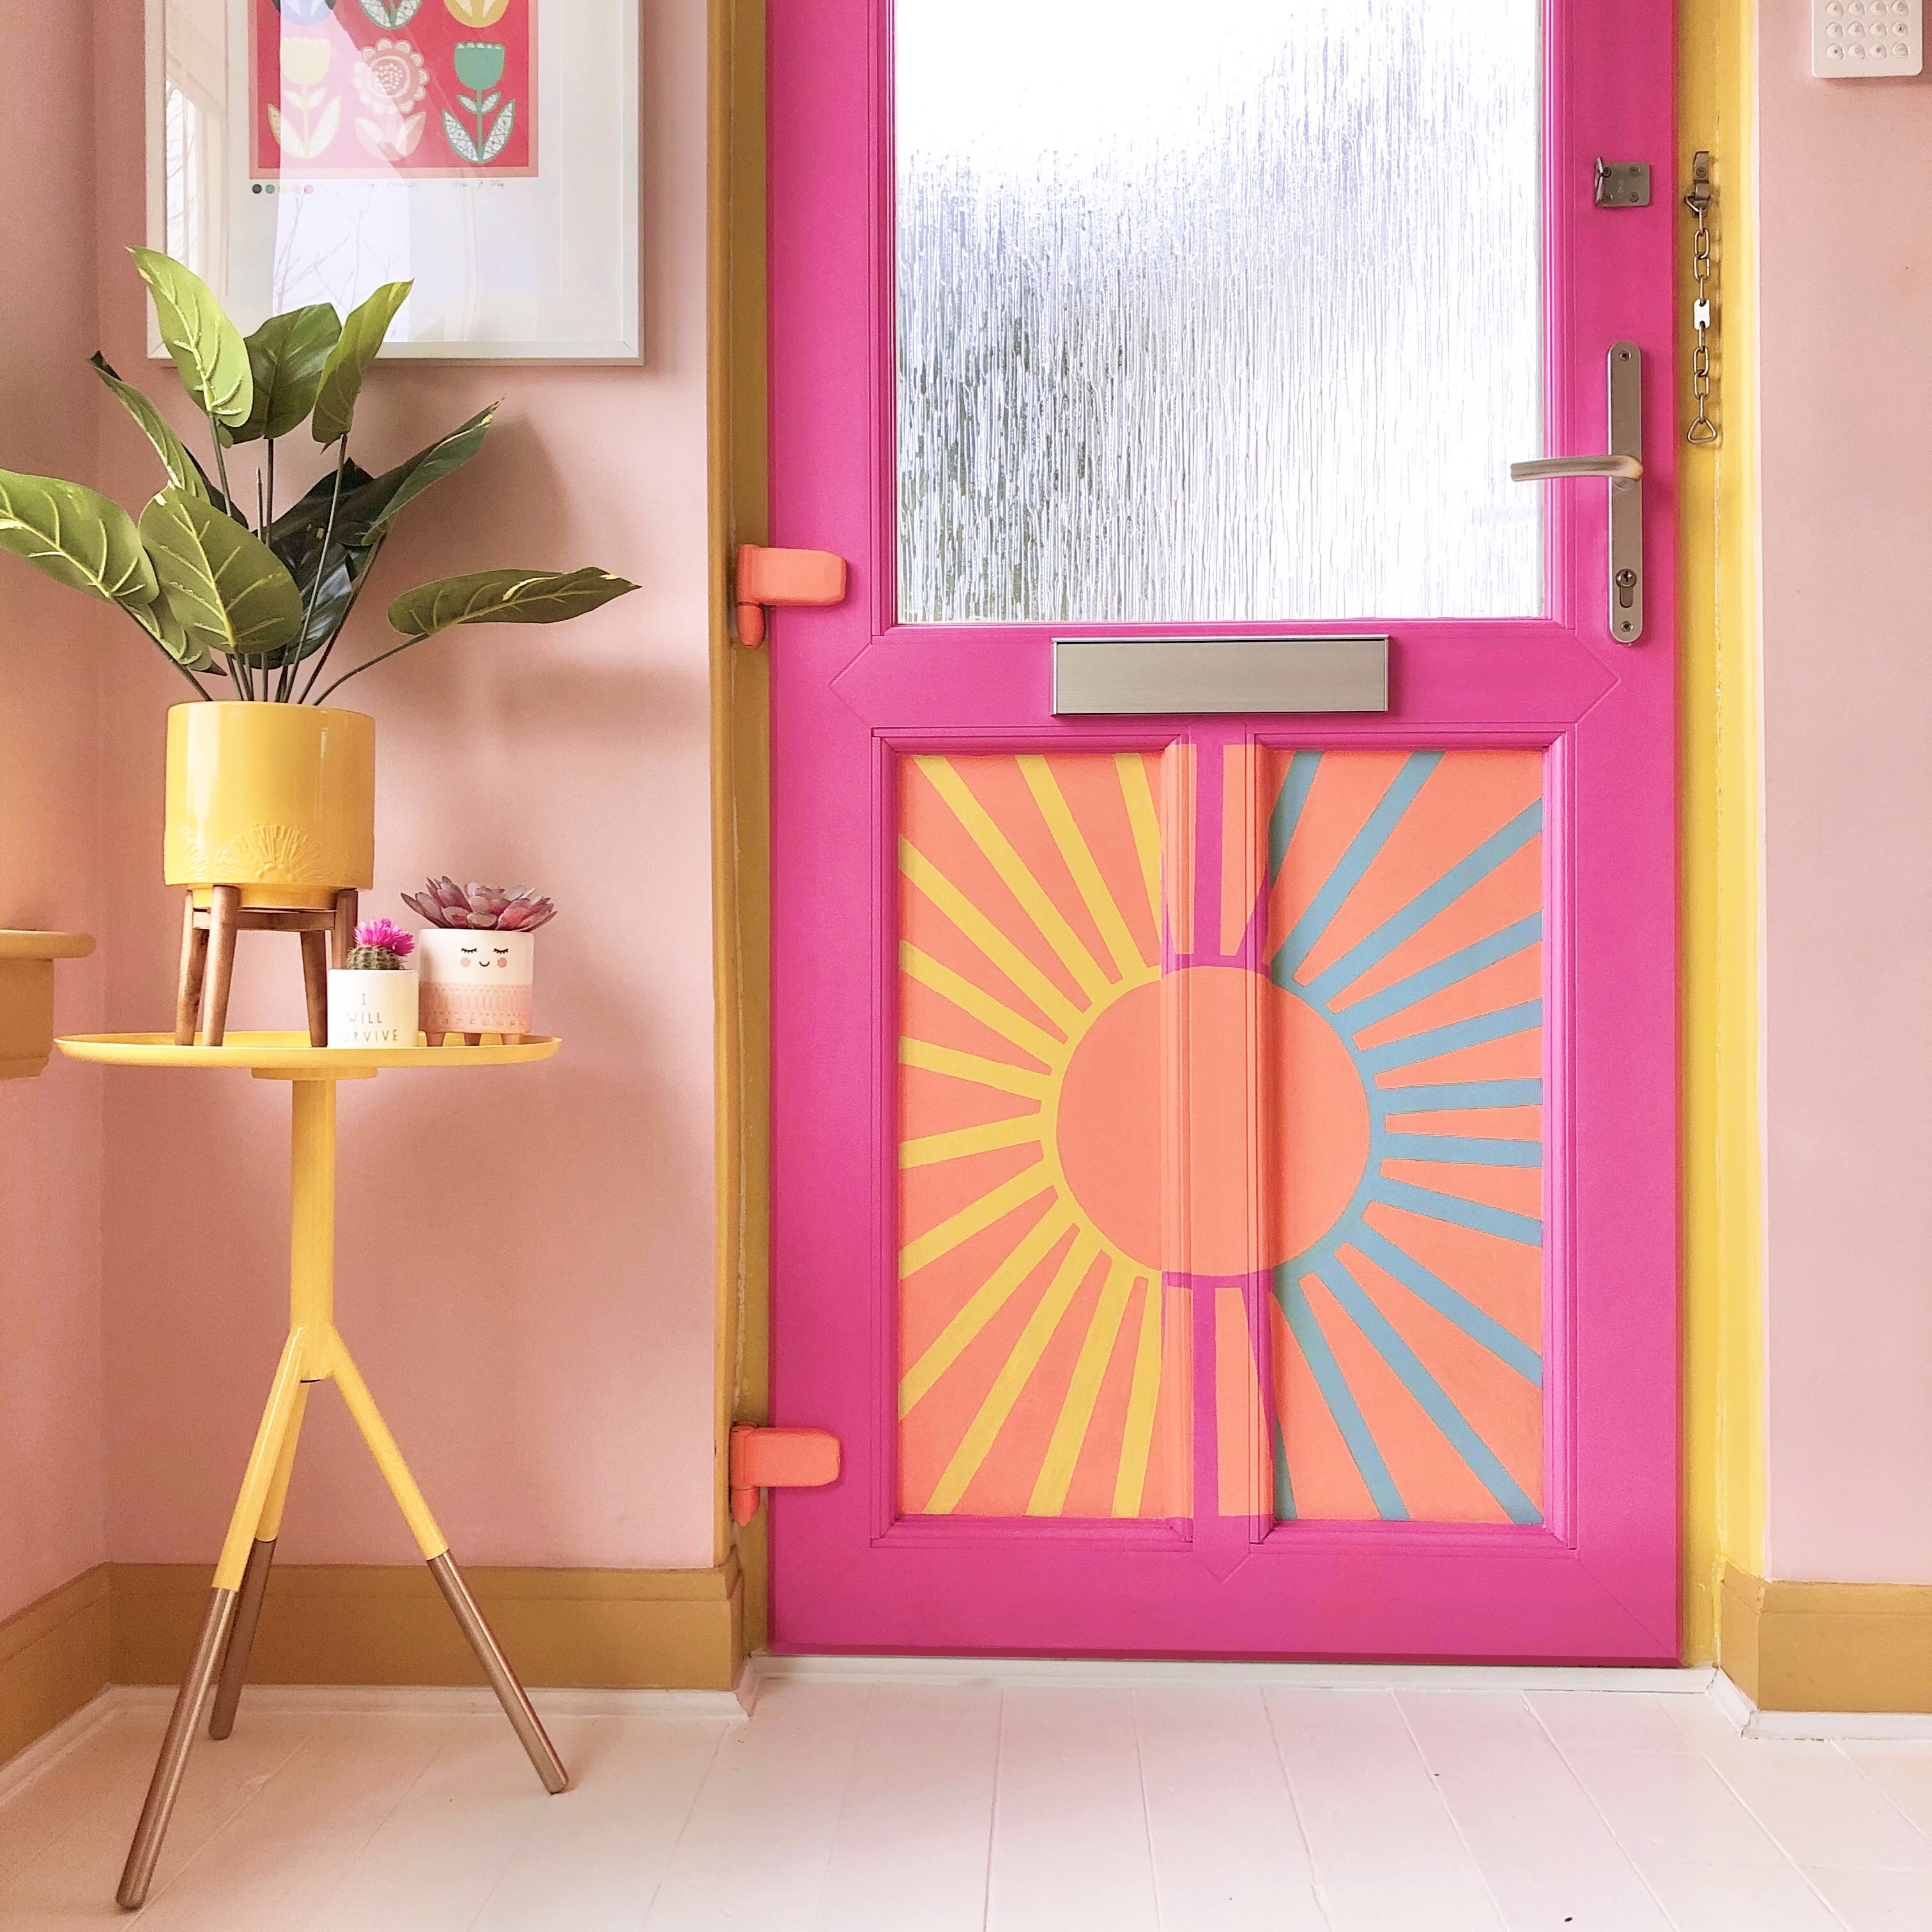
(1233, 1053)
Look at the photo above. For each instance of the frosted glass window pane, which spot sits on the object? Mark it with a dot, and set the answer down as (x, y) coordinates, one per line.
(1218, 312)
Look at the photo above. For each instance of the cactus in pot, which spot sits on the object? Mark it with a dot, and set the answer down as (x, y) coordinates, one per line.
(381, 947)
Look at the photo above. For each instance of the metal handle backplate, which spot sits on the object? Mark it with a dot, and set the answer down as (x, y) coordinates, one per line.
(1622, 468)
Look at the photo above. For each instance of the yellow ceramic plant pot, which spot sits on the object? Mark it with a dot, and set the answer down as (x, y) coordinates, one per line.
(277, 799)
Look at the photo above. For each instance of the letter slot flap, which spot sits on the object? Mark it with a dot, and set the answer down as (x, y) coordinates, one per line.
(1095, 677)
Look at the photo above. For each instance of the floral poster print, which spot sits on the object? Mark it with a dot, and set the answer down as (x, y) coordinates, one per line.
(375, 89)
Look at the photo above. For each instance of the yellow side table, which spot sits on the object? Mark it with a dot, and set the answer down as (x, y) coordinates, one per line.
(314, 1352)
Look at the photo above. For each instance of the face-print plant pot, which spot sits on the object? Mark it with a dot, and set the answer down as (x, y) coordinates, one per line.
(475, 982)
(372, 1008)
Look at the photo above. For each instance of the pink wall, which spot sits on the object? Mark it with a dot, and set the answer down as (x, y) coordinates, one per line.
(50, 1372)
(1847, 303)
(525, 1255)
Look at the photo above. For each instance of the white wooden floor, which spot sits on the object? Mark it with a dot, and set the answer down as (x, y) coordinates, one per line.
(1025, 1806)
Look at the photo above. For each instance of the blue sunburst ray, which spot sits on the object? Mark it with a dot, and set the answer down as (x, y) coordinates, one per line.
(1381, 1336)
(1467, 872)
(1450, 1039)
(1464, 1149)
(1477, 1324)
(1455, 1095)
(1525, 1229)
(1286, 815)
(1363, 850)
(1329, 1378)
(1452, 971)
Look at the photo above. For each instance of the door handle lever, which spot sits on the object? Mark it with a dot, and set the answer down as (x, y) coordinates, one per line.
(1625, 469)
(1622, 468)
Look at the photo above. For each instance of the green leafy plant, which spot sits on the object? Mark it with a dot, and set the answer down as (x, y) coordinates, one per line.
(263, 603)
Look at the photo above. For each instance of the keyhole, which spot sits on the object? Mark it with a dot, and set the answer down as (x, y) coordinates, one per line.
(1626, 584)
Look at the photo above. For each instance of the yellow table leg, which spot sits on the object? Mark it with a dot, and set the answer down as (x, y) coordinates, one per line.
(314, 1352)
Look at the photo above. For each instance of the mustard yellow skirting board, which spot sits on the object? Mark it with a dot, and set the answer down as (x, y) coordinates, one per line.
(53, 1659)
(590, 1629)
(135, 1623)
(1828, 1646)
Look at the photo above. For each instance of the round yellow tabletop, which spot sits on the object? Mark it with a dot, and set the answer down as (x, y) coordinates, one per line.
(288, 1055)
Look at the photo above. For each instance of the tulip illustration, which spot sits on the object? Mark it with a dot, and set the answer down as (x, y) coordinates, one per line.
(305, 121)
(479, 64)
(479, 67)
(478, 13)
(305, 58)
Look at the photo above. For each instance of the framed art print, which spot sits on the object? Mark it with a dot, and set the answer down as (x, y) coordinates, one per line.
(487, 150)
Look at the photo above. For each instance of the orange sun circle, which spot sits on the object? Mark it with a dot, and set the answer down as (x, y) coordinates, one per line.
(1107, 1122)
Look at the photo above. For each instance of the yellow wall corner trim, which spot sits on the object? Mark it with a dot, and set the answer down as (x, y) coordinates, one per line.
(1723, 1329)
(1828, 1646)
(53, 1659)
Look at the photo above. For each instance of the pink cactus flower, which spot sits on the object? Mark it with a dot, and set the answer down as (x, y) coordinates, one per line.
(387, 935)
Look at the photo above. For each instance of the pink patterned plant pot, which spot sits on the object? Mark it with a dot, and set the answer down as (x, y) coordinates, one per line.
(474, 981)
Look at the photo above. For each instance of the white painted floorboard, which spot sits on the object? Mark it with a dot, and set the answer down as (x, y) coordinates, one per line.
(1012, 1803)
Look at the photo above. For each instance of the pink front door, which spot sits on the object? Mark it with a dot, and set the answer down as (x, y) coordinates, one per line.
(1224, 1188)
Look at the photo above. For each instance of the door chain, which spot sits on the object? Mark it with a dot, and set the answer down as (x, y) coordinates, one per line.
(1703, 428)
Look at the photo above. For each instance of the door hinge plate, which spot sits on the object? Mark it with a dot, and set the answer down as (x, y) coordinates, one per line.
(765, 578)
(764, 1458)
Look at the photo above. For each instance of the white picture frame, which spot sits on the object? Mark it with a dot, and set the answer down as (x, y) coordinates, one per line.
(543, 265)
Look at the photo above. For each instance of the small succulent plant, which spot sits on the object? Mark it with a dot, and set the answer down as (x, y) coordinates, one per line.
(381, 947)
(486, 908)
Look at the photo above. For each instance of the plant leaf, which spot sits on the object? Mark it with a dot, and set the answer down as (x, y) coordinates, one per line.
(207, 347)
(500, 133)
(184, 472)
(348, 361)
(185, 646)
(229, 590)
(286, 356)
(383, 499)
(295, 537)
(503, 597)
(458, 137)
(77, 537)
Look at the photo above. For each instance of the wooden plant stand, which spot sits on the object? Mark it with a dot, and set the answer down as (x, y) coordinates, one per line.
(208, 959)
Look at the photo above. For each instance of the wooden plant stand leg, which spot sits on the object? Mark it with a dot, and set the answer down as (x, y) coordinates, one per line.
(194, 971)
(255, 1581)
(315, 985)
(346, 901)
(224, 911)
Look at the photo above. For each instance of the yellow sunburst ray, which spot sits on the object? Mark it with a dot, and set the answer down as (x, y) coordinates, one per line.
(929, 879)
(929, 1149)
(1100, 901)
(981, 1004)
(1137, 796)
(1137, 1437)
(979, 826)
(987, 1300)
(1010, 1384)
(1076, 1412)
(974, 1066)
(975, 1215)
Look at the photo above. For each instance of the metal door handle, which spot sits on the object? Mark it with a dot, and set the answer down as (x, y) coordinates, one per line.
(1626, 467)
(1623, 468)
